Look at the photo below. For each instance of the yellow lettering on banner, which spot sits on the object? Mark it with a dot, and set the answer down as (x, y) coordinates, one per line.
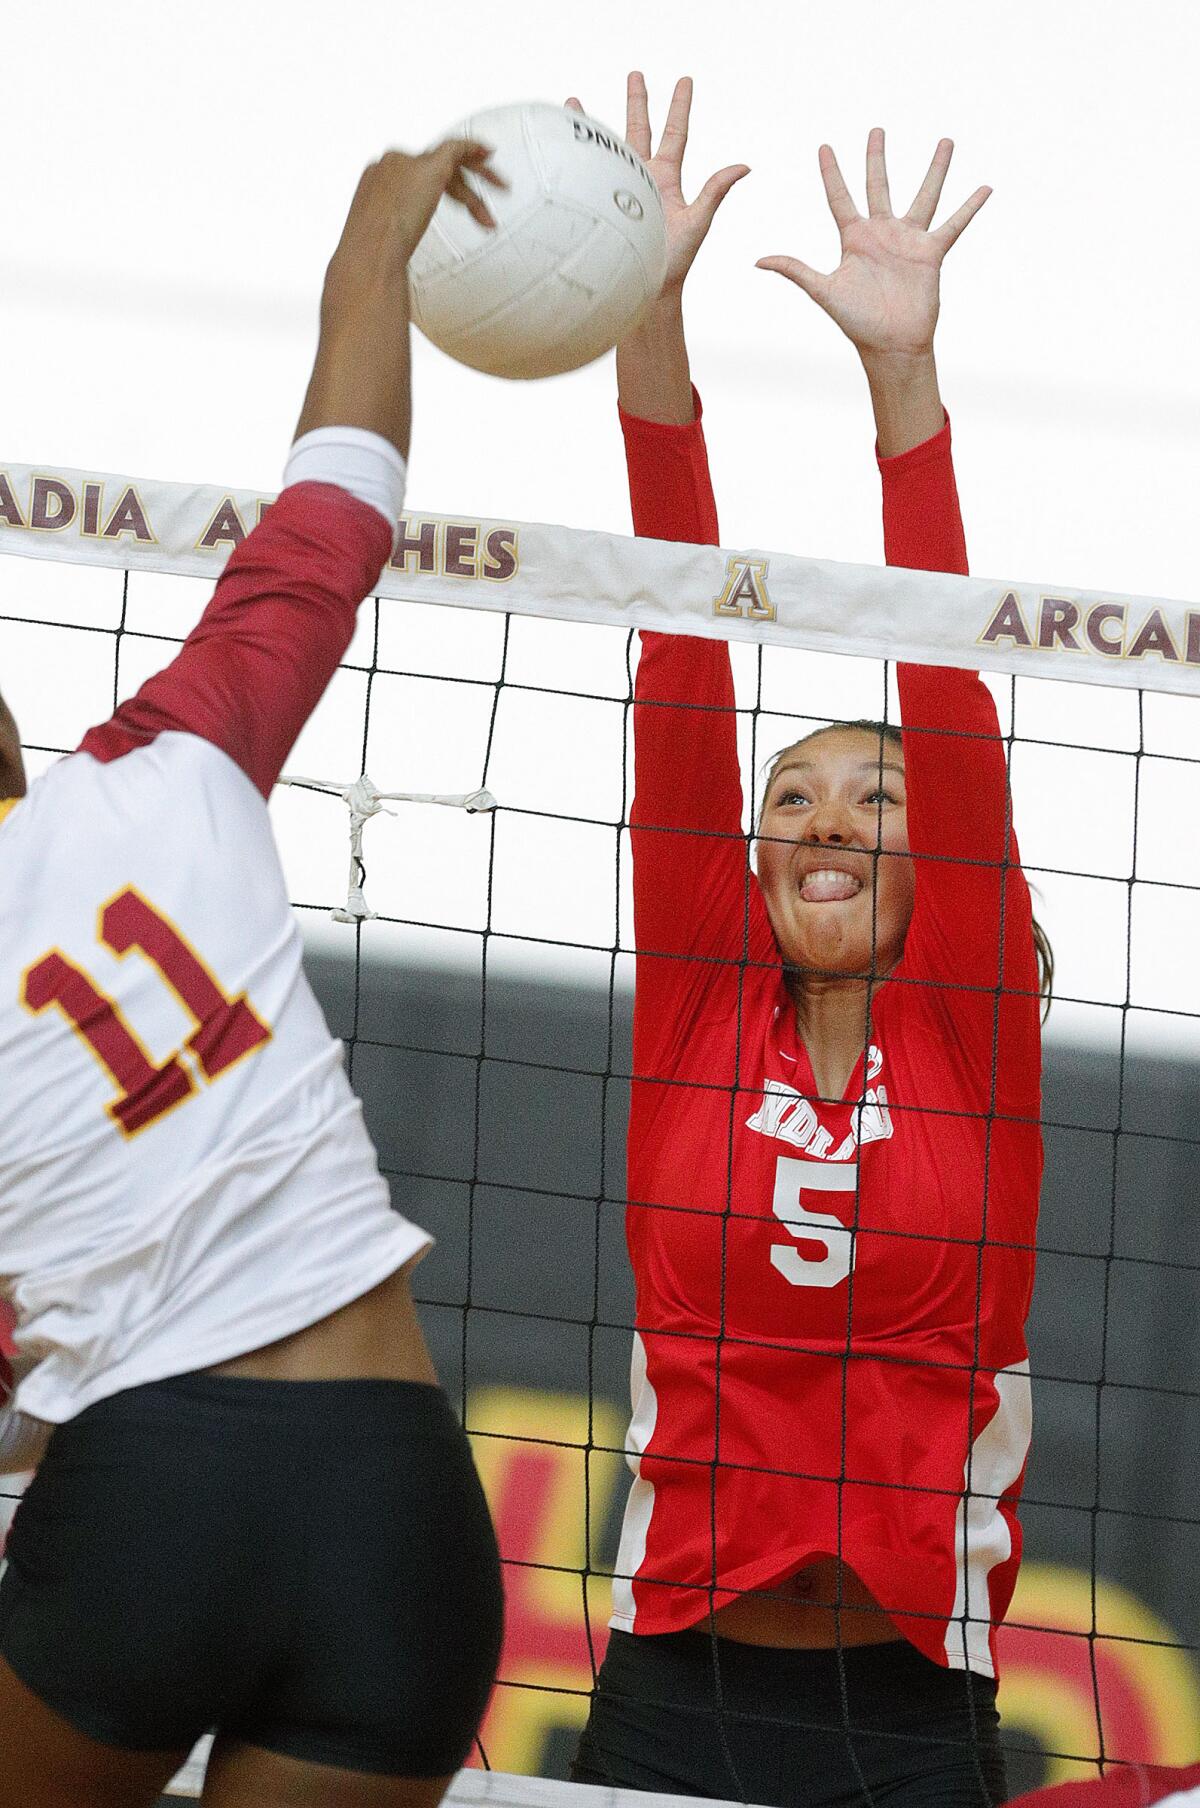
(745, 593)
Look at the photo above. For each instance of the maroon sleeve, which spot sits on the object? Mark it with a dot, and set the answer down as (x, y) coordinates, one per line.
(693, 891)
(971, 933)
(258, 661)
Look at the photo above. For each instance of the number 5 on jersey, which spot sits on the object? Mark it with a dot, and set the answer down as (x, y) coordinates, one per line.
(834, 1259)
(226, 1028)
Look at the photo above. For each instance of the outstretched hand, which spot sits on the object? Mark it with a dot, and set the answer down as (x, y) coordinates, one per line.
(687, 222)
(397, 195)
(361, 374)
(885, 292)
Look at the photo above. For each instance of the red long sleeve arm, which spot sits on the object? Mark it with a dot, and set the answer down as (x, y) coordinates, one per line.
(692, 886)
(258, 661)
(972, 922)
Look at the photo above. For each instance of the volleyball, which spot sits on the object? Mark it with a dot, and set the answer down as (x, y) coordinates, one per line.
(579, 248)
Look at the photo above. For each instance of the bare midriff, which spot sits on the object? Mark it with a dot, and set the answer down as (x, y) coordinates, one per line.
(822, 1606)
(375, 1337)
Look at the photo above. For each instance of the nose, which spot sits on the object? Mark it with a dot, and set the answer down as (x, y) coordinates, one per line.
(827, 826)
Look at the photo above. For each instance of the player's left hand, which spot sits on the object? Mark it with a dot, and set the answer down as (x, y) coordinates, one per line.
(688, 222)
(885, 292)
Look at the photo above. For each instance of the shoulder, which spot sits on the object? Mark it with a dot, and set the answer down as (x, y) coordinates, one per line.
(173, 789)
(113, 757)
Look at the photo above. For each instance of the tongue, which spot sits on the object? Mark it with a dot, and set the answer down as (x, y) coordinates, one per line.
(829, 888)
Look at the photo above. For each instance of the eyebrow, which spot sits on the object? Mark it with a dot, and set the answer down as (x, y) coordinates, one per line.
(863, 766)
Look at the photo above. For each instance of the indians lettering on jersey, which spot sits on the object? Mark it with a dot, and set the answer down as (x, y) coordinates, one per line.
(831, 1293)
(788, 1115)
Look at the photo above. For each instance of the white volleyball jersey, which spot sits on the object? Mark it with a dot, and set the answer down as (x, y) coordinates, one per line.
(184, 1170)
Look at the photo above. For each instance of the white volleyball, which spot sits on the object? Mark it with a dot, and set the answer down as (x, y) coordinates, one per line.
(580, 247)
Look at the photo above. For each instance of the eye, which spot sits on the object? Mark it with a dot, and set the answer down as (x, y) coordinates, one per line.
(881, 796)
(790, 796)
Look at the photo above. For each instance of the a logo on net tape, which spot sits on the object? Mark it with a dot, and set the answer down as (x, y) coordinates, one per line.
(745, 593)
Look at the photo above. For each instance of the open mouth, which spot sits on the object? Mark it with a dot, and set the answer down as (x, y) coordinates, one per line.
(829, 887)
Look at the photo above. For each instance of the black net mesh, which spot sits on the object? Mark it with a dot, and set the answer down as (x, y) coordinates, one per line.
(486, 1006)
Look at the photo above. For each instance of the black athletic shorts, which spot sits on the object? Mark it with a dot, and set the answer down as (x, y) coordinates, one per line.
(778, 1729)
(305, 1565)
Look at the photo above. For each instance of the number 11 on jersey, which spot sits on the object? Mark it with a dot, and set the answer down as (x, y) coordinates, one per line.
(793, 1179)
(226, 1028)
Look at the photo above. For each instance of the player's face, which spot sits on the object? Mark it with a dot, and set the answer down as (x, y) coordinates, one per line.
(832, 854)
(12, 766)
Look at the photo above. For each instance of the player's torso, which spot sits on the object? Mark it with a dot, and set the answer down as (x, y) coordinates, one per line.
(808, 1222)
(153, 1012)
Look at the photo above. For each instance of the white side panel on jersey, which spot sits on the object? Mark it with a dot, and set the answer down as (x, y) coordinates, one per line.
(640, 1505)
(981, 1535)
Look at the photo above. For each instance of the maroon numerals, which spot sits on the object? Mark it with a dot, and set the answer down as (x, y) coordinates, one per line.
(226, 1028)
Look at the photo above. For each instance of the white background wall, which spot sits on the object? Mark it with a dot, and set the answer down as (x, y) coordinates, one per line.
(174, 178)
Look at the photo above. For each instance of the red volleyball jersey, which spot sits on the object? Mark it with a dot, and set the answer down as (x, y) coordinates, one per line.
(831, 1296)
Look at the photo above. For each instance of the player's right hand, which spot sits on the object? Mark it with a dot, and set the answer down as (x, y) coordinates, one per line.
(395, 201)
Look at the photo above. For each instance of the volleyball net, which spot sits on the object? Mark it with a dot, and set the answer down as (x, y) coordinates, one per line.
(454, 830)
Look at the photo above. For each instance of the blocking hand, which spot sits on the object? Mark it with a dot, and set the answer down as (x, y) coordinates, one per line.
(687, 222)
(885, 292)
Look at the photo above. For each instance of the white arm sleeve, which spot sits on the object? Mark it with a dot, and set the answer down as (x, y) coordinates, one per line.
(365, 464)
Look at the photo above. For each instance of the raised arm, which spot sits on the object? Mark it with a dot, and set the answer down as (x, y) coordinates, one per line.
(282, 615)
(971, 926)
(690, 871)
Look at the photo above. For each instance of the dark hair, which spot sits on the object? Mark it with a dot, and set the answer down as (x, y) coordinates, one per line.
(888, 731)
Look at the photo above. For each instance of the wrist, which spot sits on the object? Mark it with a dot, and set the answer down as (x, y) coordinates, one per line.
(660, 323)
(905, 398)
(898, 370)
(654, 379)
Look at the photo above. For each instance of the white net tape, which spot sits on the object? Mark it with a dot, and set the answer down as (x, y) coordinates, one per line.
(776, 599)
